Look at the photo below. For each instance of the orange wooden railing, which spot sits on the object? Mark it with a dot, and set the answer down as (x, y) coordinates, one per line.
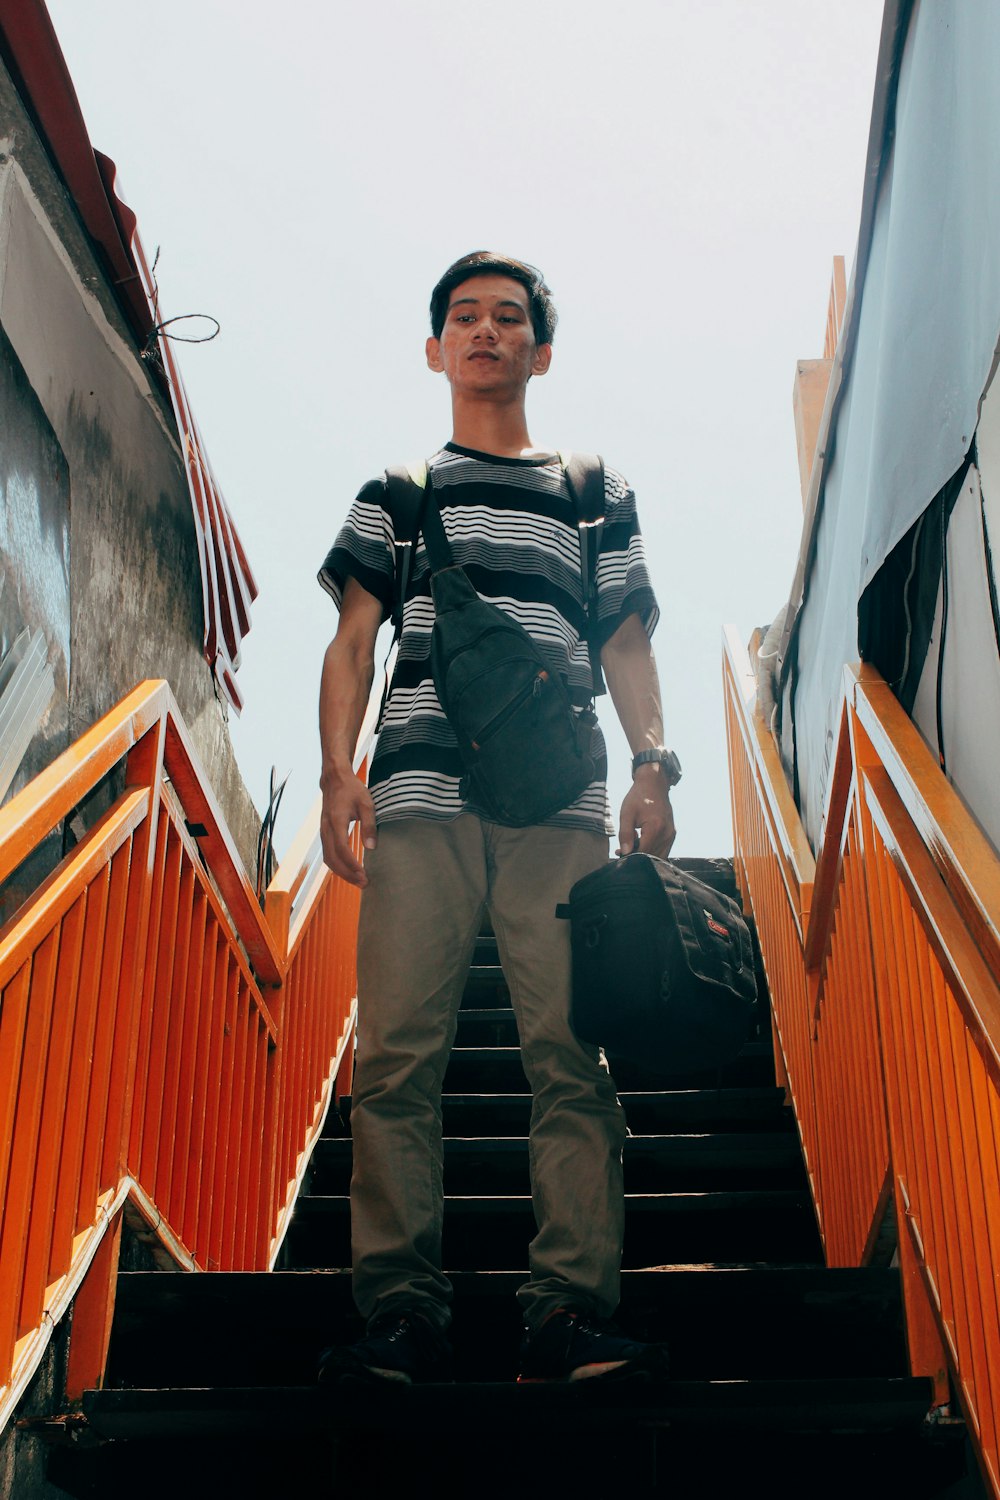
(885, 988)
(166, 1047)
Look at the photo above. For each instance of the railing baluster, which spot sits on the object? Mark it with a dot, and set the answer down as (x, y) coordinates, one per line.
(242, 1115)
(202, 1128)
(153, 1104)
(188, 1061)
(963, 1152)
(222, 1197)
(147, 969)
(13, 1032)
(176, 971)
(65, 1223)
(27, 1122)
(981, 1265)
(38, 1252)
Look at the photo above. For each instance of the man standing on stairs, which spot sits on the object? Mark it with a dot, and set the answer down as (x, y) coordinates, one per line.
(433, 863)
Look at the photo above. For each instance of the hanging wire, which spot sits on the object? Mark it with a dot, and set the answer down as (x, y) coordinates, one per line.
(939, 689)
(150, 349)
(991, 577)
(265, 838)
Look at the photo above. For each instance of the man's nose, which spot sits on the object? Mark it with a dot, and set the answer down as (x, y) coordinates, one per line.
(486, 328)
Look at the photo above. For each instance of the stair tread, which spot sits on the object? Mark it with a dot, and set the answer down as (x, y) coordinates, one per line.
(821, 1404)
(702, 1143)
(492, 1069)
(815, 1285)
(820, 1281)
(722, 1321)
(746, 1103)
(472, 1112)
(640, 1202)
(751, 1049)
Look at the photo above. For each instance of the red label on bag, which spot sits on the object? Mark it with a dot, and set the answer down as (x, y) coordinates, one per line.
(714, 926)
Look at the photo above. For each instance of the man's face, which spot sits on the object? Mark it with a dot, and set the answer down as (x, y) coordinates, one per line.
(487, 345)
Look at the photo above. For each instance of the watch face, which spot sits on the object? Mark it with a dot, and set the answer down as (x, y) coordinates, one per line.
(671, 766)
(666, 758)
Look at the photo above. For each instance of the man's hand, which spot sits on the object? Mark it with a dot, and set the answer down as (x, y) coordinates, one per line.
(348, 671)
(346, 800)
(647, 811)
(635, 691)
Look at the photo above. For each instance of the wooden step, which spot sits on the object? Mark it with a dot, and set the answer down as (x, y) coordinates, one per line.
(486, 1028)
(492, 1233)
(485, 988)
(496, 1026)
(653, 1112)
(778, 1406)
(732, 1323)
(824, 1439)
(653, 1163)
(498, 1070)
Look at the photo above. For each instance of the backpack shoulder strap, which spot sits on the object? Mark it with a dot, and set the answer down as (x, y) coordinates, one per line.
(585, 481)
(405, 491)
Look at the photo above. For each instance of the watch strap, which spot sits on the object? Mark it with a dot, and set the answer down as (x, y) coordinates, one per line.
(661, 756)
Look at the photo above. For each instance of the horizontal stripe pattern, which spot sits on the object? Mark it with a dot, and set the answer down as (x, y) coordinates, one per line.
(512, 526)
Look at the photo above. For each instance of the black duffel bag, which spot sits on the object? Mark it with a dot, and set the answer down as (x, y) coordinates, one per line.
(663, 970)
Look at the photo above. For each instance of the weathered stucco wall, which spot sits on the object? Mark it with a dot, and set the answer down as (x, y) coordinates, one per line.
(98, 546)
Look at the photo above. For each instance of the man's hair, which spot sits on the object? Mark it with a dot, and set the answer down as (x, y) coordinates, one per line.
(485, 263)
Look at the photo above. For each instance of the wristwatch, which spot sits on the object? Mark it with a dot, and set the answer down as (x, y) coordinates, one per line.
(663, 757)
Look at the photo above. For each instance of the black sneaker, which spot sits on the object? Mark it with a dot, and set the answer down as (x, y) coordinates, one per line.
(402, 1347)
(574, 1346)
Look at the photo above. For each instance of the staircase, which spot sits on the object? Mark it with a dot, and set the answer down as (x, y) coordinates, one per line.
(784, 1374)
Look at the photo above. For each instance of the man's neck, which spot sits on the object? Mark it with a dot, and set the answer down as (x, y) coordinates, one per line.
(488, 427)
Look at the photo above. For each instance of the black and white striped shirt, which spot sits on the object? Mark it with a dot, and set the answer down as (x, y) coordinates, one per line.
(512, 526)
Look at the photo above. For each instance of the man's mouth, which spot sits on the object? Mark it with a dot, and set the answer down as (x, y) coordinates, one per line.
(483, 354)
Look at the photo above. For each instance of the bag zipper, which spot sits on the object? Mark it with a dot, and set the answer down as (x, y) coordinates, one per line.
(531, 689)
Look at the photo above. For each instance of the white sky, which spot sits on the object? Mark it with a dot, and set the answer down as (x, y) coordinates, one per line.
(682, 170)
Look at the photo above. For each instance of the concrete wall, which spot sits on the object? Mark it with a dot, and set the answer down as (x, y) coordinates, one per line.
(98, 543)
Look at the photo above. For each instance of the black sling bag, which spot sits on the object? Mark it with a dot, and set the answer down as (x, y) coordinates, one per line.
(525, 748)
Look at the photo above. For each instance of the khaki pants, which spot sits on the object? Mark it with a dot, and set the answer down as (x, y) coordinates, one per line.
(429, 886)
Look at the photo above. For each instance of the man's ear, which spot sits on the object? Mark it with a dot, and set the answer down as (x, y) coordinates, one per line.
(433, 349)
(542, 360)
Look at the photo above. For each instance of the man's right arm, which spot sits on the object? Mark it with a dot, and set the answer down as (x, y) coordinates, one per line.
(348, 672)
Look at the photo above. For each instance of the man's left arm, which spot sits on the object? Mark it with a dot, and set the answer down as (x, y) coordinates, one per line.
(630, 669)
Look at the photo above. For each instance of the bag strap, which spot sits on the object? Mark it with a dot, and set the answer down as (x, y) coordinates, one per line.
(585, 482)
(439, 553)
(408, 487)
(406, 491)
(405, 494)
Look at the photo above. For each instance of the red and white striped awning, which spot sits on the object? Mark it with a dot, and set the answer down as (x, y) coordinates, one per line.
(227, 585)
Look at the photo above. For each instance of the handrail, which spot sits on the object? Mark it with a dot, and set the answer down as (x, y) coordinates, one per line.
(167, 1049)
(887, 1014)
(788, 836)
(36, 811)
(963, 855)
(55, 792)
